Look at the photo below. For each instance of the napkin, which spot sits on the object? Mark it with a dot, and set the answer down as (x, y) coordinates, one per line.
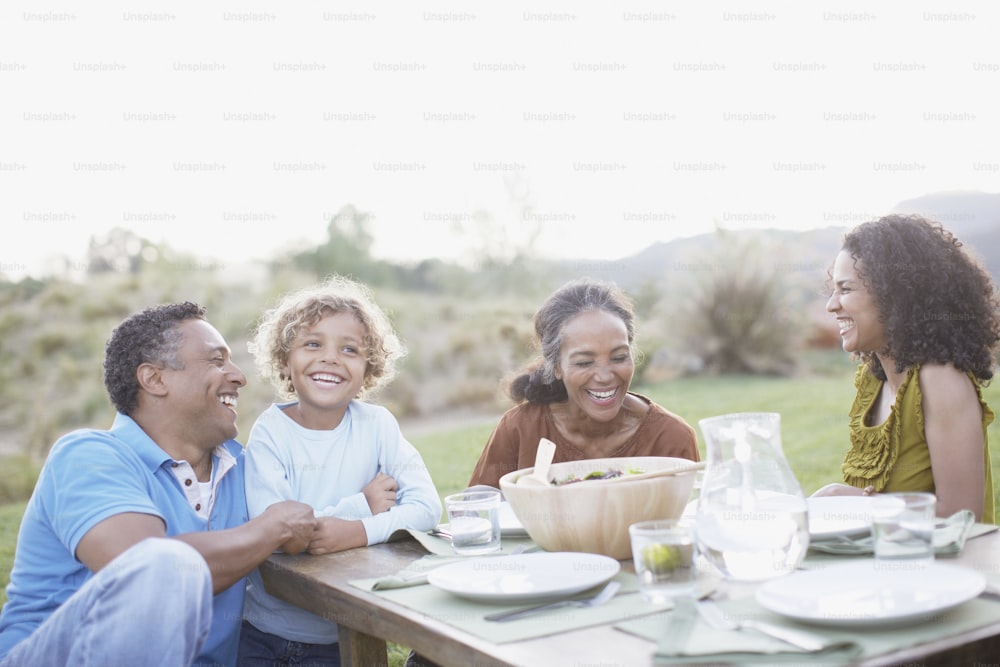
(949, 538)
(440, 554)
(434, 544)
(683, 637)
(415, 574)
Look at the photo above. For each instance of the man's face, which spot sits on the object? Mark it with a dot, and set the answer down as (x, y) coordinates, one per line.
(203, 393)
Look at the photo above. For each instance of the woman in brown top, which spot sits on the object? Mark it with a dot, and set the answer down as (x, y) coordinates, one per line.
(576, 394)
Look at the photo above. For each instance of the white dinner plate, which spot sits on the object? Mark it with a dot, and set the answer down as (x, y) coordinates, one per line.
(524, 577)
(830, 516)
(866, 593)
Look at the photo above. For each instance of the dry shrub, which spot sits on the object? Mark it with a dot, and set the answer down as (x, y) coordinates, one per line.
(740, 316)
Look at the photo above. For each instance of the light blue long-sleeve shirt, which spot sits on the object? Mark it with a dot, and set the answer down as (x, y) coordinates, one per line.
(327, 469)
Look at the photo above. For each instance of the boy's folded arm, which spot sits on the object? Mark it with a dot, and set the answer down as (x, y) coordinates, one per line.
(350, 508)
(413, 515)
(415, 485)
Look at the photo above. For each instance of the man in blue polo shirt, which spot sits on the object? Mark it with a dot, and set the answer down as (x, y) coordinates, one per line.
(134, 546)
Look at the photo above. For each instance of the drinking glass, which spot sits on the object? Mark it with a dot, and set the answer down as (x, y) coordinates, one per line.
(663, 554)
(474, 521)
(903, 530)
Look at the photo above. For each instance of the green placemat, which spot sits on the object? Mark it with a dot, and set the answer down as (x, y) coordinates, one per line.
(698, 643)
(468, 615)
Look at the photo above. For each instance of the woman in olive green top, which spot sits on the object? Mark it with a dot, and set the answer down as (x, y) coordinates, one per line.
(924, 318)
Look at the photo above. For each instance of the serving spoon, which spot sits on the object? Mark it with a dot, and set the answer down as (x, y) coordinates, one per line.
(694, 466)
(543, 459)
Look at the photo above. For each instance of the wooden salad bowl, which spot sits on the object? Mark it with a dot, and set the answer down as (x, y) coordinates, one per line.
(593, 515)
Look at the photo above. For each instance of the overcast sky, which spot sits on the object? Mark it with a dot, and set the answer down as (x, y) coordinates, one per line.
(232, 130)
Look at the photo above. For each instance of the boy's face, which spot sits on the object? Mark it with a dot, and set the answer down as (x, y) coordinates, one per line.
(327, 363)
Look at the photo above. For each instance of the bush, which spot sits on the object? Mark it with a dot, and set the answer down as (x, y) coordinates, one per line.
(740, 313)
(18, 478)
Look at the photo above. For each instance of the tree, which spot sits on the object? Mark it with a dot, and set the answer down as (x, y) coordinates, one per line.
(503, 251)
(119, 251)
(347, 250)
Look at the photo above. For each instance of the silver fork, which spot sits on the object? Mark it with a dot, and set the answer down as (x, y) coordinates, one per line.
(798, 638)
(603, 596)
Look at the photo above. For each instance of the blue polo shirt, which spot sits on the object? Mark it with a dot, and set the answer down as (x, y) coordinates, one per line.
(91, 475)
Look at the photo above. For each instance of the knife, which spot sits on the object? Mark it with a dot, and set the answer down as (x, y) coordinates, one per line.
(606, 594)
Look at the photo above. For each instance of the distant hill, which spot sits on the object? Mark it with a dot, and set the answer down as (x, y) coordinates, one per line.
(974, 217)
(808, 252)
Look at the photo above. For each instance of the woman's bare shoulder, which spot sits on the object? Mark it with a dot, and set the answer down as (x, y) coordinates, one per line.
(945, 383)
(938, 375)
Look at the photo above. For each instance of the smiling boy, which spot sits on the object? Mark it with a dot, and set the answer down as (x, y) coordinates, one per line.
(326, 347)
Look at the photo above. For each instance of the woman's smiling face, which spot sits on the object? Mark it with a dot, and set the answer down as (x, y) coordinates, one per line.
(854, 306)
(595, 364)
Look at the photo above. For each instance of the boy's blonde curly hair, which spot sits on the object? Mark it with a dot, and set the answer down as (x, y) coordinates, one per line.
(279, 326)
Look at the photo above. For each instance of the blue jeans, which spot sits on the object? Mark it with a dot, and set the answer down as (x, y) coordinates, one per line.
(262, 649)
(117, 617)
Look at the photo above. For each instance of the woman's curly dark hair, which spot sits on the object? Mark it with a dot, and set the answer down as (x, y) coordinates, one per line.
(150, 336)
(938, 305)
(537, 382)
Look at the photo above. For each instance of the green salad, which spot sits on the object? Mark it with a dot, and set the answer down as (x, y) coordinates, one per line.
(597, 474)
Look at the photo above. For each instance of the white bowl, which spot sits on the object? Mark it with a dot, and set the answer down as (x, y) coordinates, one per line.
(593, 516)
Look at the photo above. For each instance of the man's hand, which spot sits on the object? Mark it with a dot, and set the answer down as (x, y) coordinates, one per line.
(231, 553)
(380, 493)
(297, 519)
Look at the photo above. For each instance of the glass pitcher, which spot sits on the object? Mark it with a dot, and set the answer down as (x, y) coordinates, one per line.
(752, 522)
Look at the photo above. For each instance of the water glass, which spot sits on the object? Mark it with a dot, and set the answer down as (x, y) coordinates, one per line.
(474, 522)
(663, 554)
(903, 530)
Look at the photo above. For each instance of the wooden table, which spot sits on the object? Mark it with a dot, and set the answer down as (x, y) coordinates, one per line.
(366, 621)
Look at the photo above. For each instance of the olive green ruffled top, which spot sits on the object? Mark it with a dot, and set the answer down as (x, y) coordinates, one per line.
(893, 456)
